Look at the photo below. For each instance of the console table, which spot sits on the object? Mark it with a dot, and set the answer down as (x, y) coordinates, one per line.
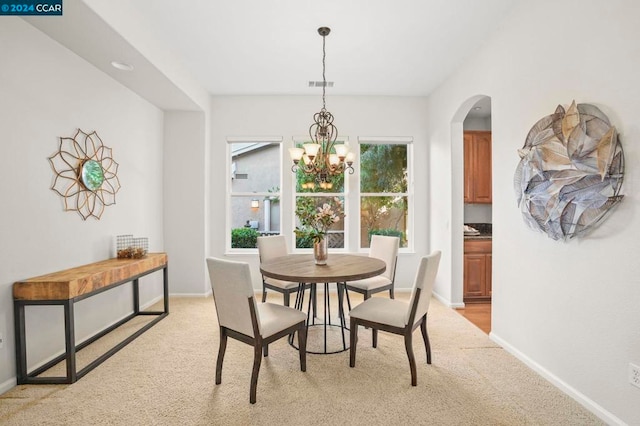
(72, 285)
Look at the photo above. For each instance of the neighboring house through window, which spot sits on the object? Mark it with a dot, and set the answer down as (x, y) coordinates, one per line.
(253, 190)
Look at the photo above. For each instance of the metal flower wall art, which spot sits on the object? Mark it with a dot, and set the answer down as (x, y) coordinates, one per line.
(86, 174)
(570, 172)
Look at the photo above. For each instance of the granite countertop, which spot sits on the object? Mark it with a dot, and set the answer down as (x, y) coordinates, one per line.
(483, 228)
(478, 237)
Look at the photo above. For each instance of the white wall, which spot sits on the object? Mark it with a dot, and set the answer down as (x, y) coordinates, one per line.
(291, 116)
(48, 92)
(569, 309)
(185, 201)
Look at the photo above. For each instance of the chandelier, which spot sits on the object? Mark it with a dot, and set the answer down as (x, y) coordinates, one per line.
(322, 158)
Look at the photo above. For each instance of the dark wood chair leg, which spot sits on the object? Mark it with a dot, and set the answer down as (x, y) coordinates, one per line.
(347, 293)
(265, 349)
(264, 292)
(425, 337)
(412, 360)
(221, 350)
(391, 295)
(353, 341)
(286, 298)
(257, 359)
(374, 337)
(302, 345)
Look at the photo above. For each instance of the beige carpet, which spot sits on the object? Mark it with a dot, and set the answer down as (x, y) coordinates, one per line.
(166, 377)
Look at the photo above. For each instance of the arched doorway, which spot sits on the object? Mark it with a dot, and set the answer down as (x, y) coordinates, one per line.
(474, 115)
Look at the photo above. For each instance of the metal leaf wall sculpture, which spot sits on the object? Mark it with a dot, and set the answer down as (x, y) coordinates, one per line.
(570, 172)
(86, 174)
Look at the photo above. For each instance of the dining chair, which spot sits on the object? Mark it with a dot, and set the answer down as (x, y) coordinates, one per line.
(397, 316)
(270, 247)
(384, 248)
(241, 318)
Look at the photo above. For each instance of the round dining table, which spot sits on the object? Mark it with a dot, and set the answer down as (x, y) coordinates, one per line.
(340, 268)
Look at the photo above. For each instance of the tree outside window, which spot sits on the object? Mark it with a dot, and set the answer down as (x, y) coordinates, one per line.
(310, 195)
(384, 197)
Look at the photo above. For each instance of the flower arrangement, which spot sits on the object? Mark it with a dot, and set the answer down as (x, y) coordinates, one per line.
(316, 221)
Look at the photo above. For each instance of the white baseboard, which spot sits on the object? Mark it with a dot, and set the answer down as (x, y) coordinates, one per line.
(582, 399)
(151, 302)
(7, 385)
(207, 294)
(447, 302)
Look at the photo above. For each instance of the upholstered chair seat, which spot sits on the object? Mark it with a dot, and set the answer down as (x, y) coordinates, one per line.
(284, 285)
(275, 318)
(370, 284)
(386, 311)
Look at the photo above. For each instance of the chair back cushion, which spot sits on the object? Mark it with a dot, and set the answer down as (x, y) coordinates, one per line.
(425, 277)
(386, 249)
(271, 247)
(231, 286)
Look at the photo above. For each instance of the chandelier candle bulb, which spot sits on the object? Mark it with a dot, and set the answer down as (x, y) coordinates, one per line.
(350, 157)
(311, 149)
(296, 154)
(341, 151)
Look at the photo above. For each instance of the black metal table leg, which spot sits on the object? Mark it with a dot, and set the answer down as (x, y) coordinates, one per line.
(165, 285)
(343, 321)
(136, 297)
(21, 344)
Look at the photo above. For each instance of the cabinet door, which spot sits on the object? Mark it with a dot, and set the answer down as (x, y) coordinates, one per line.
(468, 167)
(488, 280)
(475, 271)
(482, 167)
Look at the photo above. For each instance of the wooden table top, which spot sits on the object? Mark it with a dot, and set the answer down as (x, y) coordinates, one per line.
(75, 282)
(339, 268)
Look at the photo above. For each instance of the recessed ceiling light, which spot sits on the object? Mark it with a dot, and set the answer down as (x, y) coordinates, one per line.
(122, 66)
(477, 108)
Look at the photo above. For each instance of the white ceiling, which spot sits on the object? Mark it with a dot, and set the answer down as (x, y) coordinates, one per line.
(272, 47)
(376, 47)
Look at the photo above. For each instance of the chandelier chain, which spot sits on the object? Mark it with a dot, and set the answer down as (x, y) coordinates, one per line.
(324, 79)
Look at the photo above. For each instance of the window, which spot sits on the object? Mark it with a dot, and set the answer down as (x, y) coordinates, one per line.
(253, 190)
(385, 200)
(311, 195)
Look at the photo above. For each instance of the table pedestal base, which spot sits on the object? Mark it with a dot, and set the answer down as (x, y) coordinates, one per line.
(331, 337)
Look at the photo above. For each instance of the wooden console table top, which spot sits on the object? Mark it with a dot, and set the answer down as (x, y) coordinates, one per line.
(74, 282)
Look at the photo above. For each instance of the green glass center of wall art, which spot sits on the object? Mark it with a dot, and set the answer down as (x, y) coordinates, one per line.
(92, 175)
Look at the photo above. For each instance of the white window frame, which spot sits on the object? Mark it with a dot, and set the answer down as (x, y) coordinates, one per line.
(391, 140)
(229, 194)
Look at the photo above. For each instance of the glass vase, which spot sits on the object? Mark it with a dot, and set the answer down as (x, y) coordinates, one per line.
(321, 251)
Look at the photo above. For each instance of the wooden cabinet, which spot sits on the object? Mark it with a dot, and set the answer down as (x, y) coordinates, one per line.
(477, 167)
(477, 271)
